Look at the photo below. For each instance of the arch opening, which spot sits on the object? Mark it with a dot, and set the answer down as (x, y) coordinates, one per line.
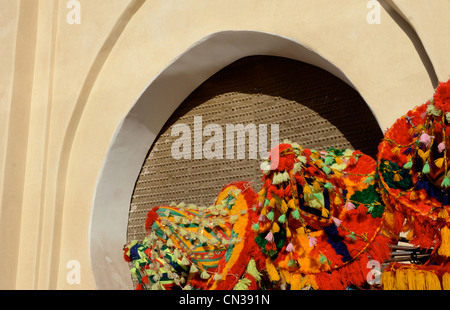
(140, 128)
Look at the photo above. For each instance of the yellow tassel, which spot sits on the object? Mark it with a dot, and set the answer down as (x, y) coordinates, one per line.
(316, 186)
(446, 281)
(284, 207)
(420, 281)
(387, 280)
(337, 173)
(272, 202)
(275, 227)
(291, 204)
(337, 200)
(325, 212)
(443, 214)
(301, 231)
(413, 195)
(306, 189)
(288, 232)
(432, 281)
(411, 279)
(272, 270)
(296, 281)
(400, 280)
(439, 162)
(261, 195)
(395, 150)
(444, 248)
(397, 177)
(338, 160)
(424, 155)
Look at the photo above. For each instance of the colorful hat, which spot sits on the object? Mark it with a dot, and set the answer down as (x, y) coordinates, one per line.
(321, 217)
(414, 172)
(194, 247)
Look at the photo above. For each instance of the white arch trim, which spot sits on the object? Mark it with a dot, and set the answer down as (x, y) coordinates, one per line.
(139, 128)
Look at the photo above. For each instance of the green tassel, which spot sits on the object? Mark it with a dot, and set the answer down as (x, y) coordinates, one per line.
(266, 202)
(426, 168)
(296, 214)
(351, 236)
(446, 182)
(243, 284)
(323, 259)
(368, 180)
(328, 185)
(255, 226)
(282, 218)
(253, 271)
(329, 160)
(408, 165)
(291, 263)
(270, 215)
(326, 169)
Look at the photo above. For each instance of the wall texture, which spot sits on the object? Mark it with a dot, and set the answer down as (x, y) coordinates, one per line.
(65, 88)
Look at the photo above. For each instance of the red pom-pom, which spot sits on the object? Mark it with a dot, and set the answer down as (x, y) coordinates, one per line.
(151, 217)
(441, 97)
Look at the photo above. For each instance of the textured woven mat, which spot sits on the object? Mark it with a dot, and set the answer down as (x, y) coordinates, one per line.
(311, 106)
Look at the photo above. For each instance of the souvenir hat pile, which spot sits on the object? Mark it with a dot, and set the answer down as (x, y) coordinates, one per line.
(414, 172)
(318, 221)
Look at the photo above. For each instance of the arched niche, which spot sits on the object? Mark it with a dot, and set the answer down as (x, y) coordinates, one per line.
(139, 129)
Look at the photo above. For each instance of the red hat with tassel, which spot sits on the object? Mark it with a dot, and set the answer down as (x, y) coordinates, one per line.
(413, 167)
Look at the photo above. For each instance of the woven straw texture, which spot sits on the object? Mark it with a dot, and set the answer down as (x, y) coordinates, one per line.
(310, 106)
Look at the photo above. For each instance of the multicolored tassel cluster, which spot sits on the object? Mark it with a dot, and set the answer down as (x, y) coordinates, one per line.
(318, 221)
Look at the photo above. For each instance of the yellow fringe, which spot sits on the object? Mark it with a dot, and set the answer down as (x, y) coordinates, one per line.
(408, 278)
(420, 281)
(401, 280)
(446, 281)
(387, 280)
(411, 279)
(444, 248)
(432, 281)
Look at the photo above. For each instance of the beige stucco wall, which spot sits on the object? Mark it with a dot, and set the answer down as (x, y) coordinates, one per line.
(64, 90)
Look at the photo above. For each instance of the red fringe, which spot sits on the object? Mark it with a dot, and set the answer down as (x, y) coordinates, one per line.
(355, 272)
